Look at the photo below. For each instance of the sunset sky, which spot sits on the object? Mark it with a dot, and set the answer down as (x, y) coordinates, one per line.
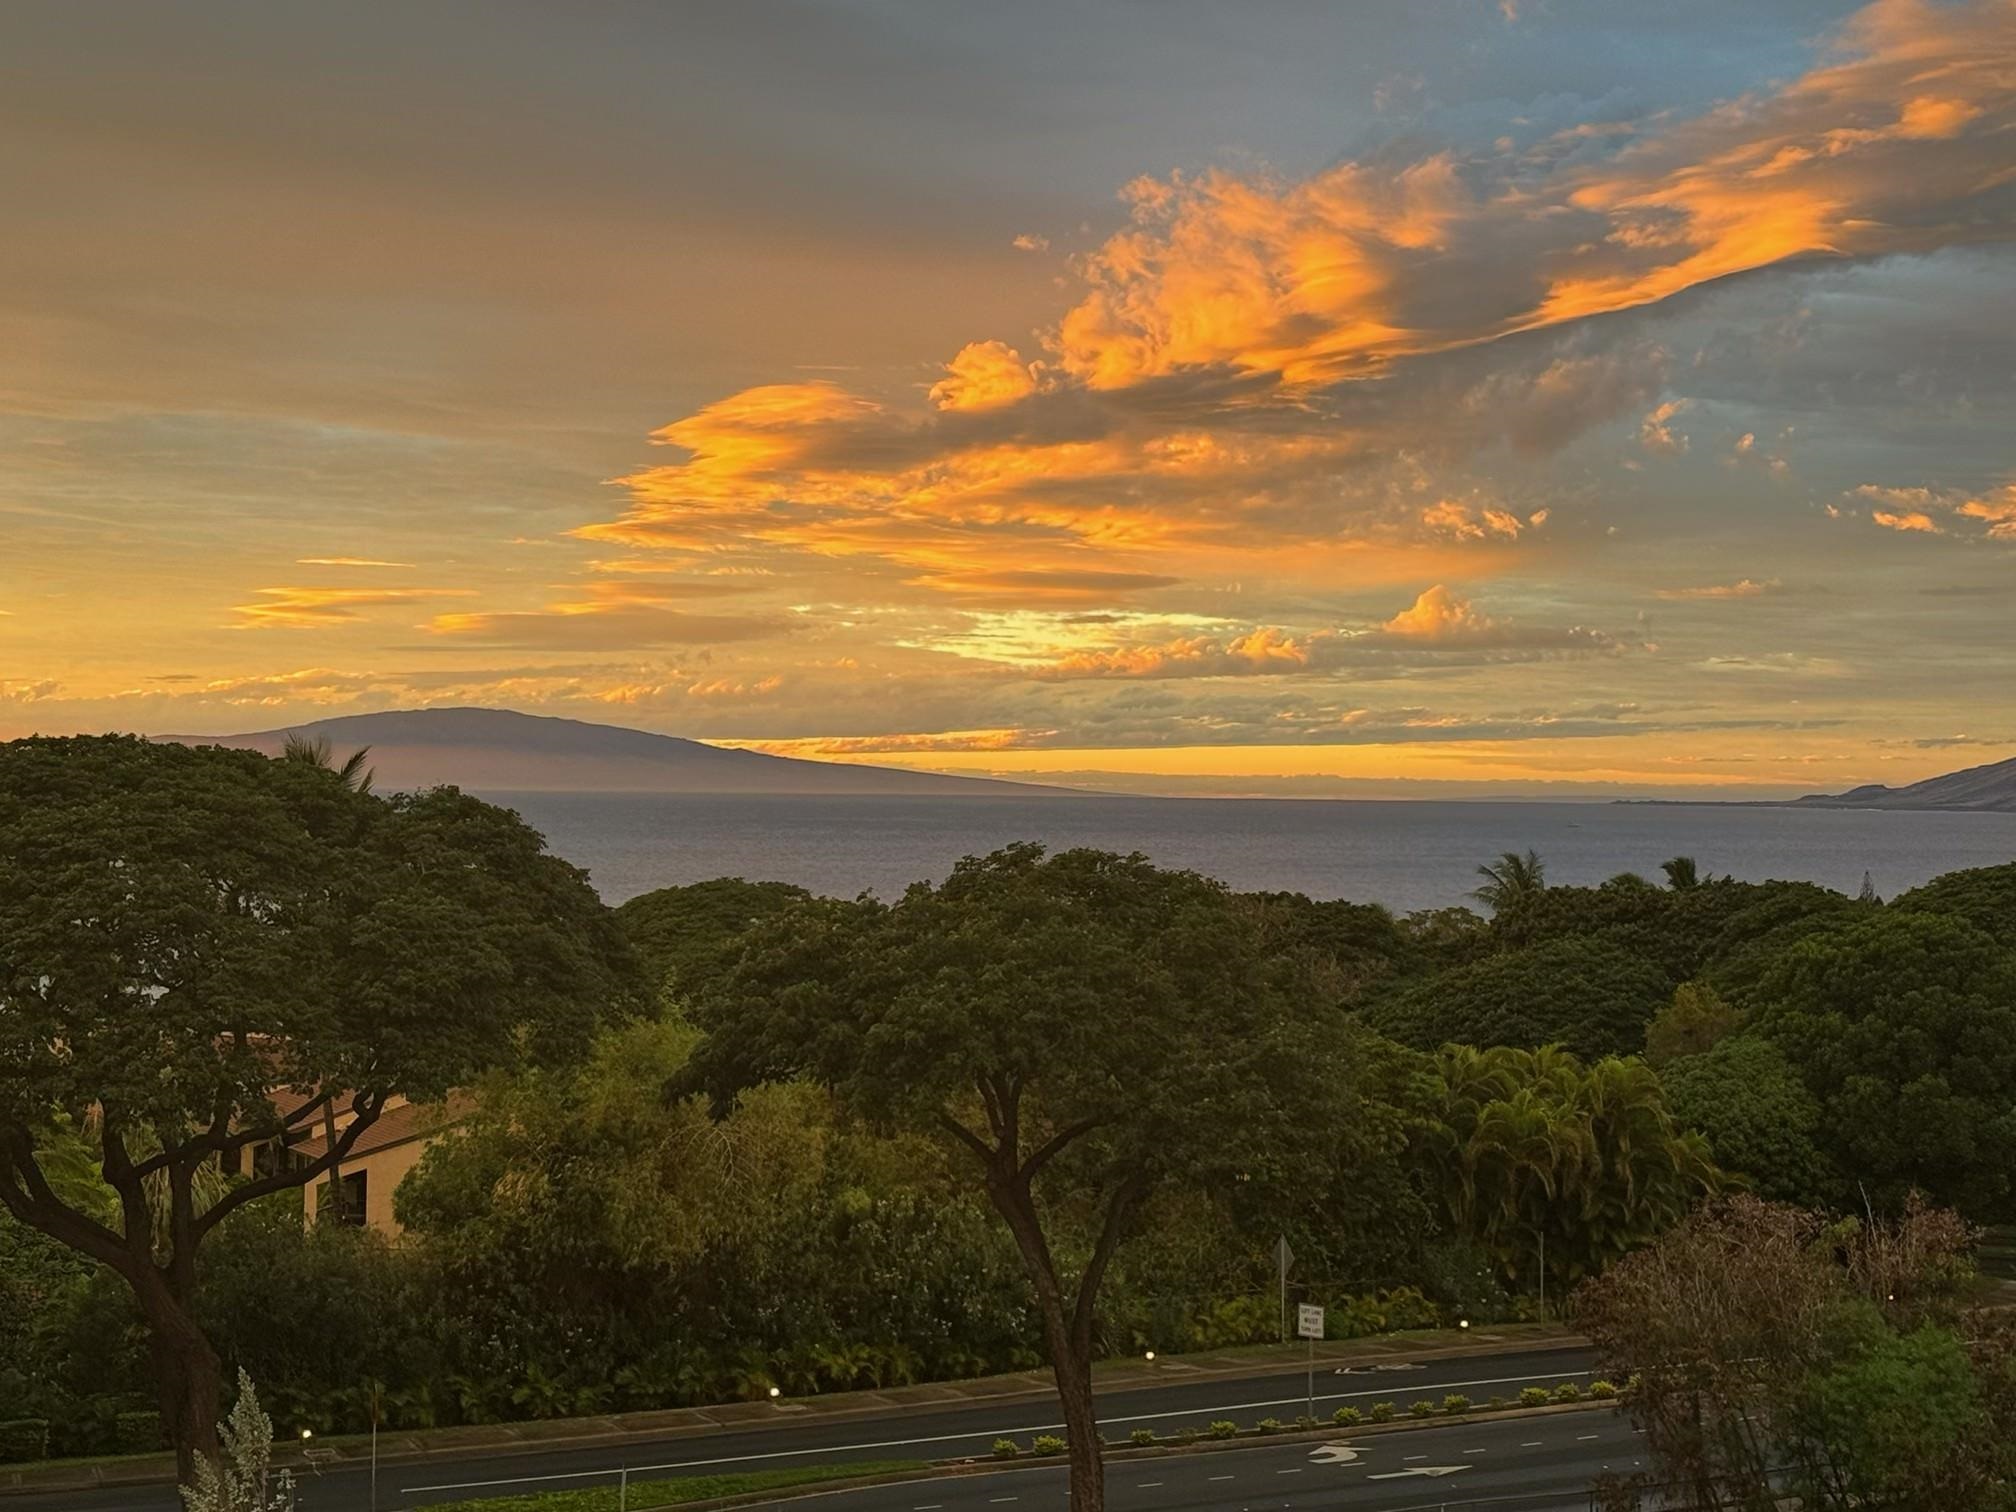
(1412, 397)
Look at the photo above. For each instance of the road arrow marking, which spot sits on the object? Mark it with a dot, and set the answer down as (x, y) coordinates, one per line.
(1333, 1454)
(1419, 1470)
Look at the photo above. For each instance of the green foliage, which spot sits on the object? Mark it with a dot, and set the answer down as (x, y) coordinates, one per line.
(1903, 1027)
(1381, 1412)
(1224, 1428)
(1984, 896)
(1744, 1097)
(1535, 1143)
(1144, 1437)
(1455, 1404)
(1422, 1409)
(1584, 993)
(689, 937)
(24, 1439)
(1899, 1410)
(1267, 1425)
(1603, 1391)
(1568, 1391)
(137, 1433)
(1006, 1448)
(1046, 1443)
(1347, 1417)
(1535, 1396)
(240, 1477)
(1694, 1022)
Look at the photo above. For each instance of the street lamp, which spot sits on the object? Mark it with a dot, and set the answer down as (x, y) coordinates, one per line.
(776, 1392)
(307, 1434)
(1151, 1357)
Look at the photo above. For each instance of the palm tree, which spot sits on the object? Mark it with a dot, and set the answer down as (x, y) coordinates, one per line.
(353, 773)
(1511, 882)
(1681, 873)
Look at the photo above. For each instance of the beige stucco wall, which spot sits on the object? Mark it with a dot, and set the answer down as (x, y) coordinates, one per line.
(384, 1170)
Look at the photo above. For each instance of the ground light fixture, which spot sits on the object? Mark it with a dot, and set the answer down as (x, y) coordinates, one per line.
(776, 1392)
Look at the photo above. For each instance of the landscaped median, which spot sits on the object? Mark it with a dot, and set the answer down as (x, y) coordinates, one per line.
(704, 1493)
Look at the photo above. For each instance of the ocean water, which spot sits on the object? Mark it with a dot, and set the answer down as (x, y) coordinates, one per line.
(1406, 855)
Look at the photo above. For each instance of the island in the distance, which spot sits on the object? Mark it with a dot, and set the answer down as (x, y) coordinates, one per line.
(499, 750)
(1989, 789)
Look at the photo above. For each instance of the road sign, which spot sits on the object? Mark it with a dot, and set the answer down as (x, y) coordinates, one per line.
(1308, 1322)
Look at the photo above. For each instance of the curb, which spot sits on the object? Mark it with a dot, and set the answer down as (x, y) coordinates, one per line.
(351, 1451)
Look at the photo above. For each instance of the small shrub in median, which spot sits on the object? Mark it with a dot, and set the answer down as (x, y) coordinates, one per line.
(1267, 1425)
(1224, 1428)
(1455, 1403)
(1535, 1396)
(1567, 1391)
(1006, 1448)
(1347, 1417)
(24, 1439)
(1046, 1443)
(1496, 1403)
(1423, 1409)
(1382, 1412)
(1305, 1422)
(1188, 1435)
(1602, 1390)
(1145, 1437)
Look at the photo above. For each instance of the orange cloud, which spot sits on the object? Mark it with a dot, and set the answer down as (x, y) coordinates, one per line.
(1933, 510)
(1438, 615)
(1740, 589)
(319, 608)
(1911, 520)
(985, 375)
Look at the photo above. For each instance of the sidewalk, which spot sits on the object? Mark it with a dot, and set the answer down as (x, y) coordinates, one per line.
(407, 1446)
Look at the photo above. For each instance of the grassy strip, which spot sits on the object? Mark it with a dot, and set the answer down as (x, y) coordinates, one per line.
(692, 1488)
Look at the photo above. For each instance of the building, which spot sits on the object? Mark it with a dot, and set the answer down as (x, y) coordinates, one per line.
(377, 1163)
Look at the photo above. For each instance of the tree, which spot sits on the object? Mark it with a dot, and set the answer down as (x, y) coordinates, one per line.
(352, 773)
(688, 936)
(1681, 873)
(240, 1478)
(190, 932)
(1511, 883)
(1778, 1359)
(1078, 1028)
(1903, 1027)
(1587, 993)
(1984, 896)
(1745, 1099)
(1535, 1152)
(1695, 1021)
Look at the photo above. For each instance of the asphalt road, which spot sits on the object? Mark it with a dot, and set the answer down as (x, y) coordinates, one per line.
(952, 1432)
(1519, 1465)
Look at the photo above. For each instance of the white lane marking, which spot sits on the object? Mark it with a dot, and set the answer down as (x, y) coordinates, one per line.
(1530, 1444)
(928, 1507)
(1221, 1477)
(996, 1500)
(1297, 1470)
(1473, 1451)
(1583, 1438)
(955, 1438)
(1146, 1485)
(1413, 1456)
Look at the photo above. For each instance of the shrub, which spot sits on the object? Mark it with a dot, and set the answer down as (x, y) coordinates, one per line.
(1224, 1428)
(1145, 1437)
(24, 1439)
(1382, 1412)
(1188, 1435)
(137, 1432)
(1455, 1403)
(1535, 1396)
(1267, 1425)
(1602, 1390)
(1006, 1448)
(1046, 1443)
(1567, 1391)
(1422, 1409)
(1347, 1417)
(1304, 1422)
(1496, 1403)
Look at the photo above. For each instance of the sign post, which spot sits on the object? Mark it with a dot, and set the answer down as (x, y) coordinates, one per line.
(1309, 1324)
(1283, 1257)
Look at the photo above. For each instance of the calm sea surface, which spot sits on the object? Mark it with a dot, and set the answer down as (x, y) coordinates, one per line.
(1405, 855)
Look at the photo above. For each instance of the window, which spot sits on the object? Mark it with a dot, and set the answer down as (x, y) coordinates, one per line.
(347, 1206)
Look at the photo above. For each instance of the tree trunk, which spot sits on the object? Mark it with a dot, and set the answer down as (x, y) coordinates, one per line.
(188, 1376)
(1081, 1419)
(1070, 1355)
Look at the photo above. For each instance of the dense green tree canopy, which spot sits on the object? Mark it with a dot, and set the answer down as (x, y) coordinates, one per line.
(190, 931)
(1903, 1026)
(1747, 1101)
(688, 936)
(1984, 896)
(1585, 993)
